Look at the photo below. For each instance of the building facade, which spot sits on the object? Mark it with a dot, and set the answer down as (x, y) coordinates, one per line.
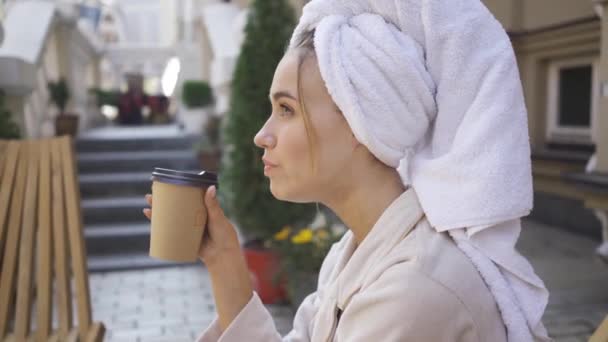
(561, 51)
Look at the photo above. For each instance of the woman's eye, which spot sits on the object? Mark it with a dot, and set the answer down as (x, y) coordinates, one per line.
(285, 111)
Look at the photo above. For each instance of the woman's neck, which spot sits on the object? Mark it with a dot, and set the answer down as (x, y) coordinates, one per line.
(360, 206)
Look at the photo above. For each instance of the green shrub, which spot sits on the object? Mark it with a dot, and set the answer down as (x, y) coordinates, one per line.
(245, 190)
(106, 97)
(60, 94)
(196, 94)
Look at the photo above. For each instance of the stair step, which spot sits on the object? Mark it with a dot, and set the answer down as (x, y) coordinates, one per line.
(135, 144)
(115, 165)
(112, 162)
(103, 185)
(128, 261)
(116, 239)
(116, 230)
(114, 210)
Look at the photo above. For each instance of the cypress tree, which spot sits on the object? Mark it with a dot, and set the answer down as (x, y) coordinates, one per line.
(244, 190)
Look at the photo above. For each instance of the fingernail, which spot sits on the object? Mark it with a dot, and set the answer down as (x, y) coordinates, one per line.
(213, 191)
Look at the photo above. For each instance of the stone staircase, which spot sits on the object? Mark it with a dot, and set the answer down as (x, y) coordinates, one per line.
(114, 174)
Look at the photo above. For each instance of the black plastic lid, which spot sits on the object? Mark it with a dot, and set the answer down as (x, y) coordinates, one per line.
(184, 178)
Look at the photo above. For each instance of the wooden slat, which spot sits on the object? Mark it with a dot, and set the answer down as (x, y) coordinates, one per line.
(7, 184)
(64, 298)
(44, 239)
(53, 338)
(96, 332)
(12, 338)
(73, 336)
(76, 240)
(12, 239)
(3, 146)
(26, 245)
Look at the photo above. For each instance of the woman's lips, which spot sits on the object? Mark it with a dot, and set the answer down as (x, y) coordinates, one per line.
(267, 169)
(268, 162)
(268, 166)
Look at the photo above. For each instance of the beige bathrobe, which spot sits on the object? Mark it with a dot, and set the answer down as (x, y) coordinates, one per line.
(404, 282)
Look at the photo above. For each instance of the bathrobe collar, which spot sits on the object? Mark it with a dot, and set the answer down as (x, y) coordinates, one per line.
(354, 264)
(393, 225)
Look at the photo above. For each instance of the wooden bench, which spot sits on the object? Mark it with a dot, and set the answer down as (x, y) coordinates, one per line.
(43, 272)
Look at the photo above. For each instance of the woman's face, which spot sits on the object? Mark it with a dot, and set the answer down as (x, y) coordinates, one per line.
(285, 140)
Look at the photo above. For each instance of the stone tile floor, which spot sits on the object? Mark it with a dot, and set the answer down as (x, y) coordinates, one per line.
(176, 304)
(577, 280)
(170, 304)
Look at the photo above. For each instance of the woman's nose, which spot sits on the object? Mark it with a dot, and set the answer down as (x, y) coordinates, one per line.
(264, 139)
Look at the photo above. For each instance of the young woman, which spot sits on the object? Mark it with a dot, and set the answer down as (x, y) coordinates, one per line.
(395, 114)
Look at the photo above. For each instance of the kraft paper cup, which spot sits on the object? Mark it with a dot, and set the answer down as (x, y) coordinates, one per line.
(179, 215)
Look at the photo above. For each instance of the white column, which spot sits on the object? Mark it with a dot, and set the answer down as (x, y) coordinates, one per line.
(188, 19)
(601, 129)
(168, 21)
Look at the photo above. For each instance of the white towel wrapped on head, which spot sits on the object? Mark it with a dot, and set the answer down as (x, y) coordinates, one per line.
(432, 88)
(349, 45)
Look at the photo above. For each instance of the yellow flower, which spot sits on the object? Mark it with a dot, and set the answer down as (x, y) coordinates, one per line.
(283, 234)
(304, 236)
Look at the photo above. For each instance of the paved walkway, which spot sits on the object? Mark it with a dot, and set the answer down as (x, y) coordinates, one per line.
(577, 280)
(176, 304)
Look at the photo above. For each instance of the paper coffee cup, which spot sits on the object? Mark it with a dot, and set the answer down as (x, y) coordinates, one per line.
(179, 215)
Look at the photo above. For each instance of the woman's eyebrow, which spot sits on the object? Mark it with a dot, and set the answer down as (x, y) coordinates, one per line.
(282, 93)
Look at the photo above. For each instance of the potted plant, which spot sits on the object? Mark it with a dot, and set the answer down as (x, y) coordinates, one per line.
(208, 148)
(65, 123)
(196, 96)
(302, 252)
(108, 99)
(8, 128)
(105, 97)
(159, 109)
(245, 193)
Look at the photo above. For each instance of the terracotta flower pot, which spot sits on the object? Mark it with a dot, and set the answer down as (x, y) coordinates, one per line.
(264, 266)
(66, 124)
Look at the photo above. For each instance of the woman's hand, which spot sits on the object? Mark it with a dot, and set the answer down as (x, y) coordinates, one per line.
(219, 239)
(221, 252)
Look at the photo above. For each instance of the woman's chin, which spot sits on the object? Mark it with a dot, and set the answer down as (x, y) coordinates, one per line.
(288, 196)
(279, 192)
(273, 190)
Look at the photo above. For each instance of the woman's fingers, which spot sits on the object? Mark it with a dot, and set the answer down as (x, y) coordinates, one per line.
(214, 211)
(148, 213)
(215, 214)
(221, 237)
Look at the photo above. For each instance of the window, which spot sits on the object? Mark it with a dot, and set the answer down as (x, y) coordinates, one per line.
(572, 100)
